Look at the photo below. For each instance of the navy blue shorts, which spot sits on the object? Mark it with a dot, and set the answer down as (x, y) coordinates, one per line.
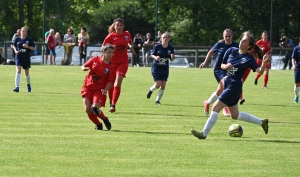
(219, 74)
(25, 63)
(160, 77)
(232, 90)
(297, 75)
(52, 52)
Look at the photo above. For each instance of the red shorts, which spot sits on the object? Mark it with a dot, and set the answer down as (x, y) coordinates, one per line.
(121, 69)
(94, 96)
(259, 62)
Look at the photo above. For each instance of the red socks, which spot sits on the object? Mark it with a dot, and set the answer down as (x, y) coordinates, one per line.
(257, 76)
(266, 78)
(94, 118)
(116, 94)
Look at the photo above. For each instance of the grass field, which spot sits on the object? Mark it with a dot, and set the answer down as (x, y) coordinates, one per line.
(47, 133)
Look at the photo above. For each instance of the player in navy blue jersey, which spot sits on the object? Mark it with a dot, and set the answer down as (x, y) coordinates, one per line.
(296, 67)
(22, 47)
(235, 62)
(221, 48)
(161, 54)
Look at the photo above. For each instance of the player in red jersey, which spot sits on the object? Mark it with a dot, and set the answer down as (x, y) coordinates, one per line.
(98, 81)
(120, 39)
(265, 46)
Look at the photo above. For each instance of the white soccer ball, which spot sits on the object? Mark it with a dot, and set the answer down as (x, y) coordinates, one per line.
(235, 130)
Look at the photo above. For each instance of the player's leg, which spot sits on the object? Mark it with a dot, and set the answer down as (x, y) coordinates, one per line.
(162, 84)
(266, 77)
(297, 84)
(99, 101)
(18, 76)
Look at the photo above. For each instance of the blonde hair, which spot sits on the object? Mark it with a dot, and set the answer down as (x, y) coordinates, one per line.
(112, 26)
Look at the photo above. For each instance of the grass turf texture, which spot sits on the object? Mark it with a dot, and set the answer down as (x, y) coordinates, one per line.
(47, 133)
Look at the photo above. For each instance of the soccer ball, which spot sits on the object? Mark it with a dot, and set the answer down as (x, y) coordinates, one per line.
(235, 130)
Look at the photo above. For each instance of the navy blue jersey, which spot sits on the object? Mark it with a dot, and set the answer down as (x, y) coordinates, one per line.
(161, 66)
(296, 56)
(221, 47)
(24, 53)
(240, 63)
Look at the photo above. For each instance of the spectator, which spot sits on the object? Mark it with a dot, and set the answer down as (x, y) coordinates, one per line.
(158, 38)
(148, 45)
(51, 46)
(58, 41)
(287, 43)
(137, 45)
(23, 45)
(70, 38)
(46, 49)
(17, 34)
(83, 40)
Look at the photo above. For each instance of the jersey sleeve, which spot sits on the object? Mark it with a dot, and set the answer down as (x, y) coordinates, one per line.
(107, 40)
(154, 50)
(226, 56)
(215, 47)
(90, 62)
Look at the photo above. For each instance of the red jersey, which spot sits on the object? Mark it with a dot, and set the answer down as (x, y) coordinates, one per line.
(121, 44)
(100, 74)
(266, 45)
(51, 42)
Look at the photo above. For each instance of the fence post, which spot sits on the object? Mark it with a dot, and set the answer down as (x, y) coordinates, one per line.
(196, 58)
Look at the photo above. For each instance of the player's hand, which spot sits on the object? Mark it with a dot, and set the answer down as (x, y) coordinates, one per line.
(229, 65)
(104, 91)
(202, 65)
(172, 57)
(132, 51)
(267, 57)
(157, 58)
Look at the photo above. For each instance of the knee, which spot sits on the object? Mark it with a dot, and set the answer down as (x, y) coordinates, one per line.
(88, 110)
(234, 116)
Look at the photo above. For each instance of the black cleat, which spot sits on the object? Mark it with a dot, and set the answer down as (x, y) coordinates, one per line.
(16, 89)
(242, 101)
(149, 94)
(157, 103)
(99, 127)
(255, 82)
(107, 123)
(112, 108)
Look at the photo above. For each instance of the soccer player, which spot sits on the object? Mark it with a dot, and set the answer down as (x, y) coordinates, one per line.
(296, 67)
(22, 47)
(161, 54)
(221, 48)
(265, 46)
(236, 61)
(120, 39)
(97, 82)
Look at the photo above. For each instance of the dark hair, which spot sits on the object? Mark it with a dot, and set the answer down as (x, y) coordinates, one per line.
(107, 46)
(257, 51)
(71, 30)
(84, 29)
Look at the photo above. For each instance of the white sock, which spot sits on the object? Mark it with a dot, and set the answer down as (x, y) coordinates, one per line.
(28, 79)
(17, 79)
(212, 98)
(296, 90)
(249, 118)
(152, 88)
(160, 94)
(210, 122)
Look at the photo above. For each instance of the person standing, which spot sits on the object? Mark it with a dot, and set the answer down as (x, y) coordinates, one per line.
(97, 82)
(22, 47)
(265, 45)
(51, 46)
(121, 40)
(148, 45)
(83, 40)
(158, 37)
(46, 48)
(161, 55)
(235, 62)
(17, 34)
(221, 48)
(137, 45)
(70, 38)
(296, 68)
(288, 43)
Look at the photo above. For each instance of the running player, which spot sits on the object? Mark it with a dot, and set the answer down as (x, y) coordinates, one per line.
(97, 82)
(120, 39)
(221, 48)
(296, 67)
(236, 61)
(161, 53)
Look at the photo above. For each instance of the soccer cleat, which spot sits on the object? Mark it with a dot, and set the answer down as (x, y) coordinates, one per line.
(265, 87)
(107, 123)
(28, 87)
(16, 89)
(296, 99)
(157, 103)
(265, 125)
(197, 134)
(255, 82)
(226, 112)
(149, 94)
(112, 108)
(242, 101)
(206, 108)
(99, 127)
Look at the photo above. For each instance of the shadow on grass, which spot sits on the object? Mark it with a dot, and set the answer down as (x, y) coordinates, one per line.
(284, 122)
(266, 141)
(149, 132)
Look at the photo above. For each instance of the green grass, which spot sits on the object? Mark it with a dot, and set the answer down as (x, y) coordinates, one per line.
(47, 133)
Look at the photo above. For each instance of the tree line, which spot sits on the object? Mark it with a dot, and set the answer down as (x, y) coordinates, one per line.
(193, 22)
